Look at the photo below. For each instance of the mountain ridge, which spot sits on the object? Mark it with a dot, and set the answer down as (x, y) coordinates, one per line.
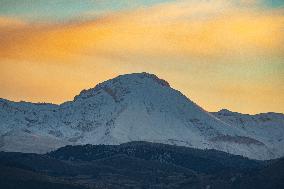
(137, 164)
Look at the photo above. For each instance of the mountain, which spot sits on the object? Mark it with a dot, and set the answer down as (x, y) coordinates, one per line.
(137, 165)
(133, 107)
(265, 127)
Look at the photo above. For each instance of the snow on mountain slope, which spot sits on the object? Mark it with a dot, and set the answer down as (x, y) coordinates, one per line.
(265, 127)
(132, 107)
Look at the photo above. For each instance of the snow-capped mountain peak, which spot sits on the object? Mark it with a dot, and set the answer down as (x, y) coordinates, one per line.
(131, 107)
(123, 84)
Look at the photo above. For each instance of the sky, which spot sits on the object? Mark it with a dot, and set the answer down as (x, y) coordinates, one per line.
(219, 53)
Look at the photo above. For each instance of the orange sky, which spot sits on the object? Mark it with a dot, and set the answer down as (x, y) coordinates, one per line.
(219, 54)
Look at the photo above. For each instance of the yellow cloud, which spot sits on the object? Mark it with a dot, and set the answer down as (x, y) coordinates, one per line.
(205, 29)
